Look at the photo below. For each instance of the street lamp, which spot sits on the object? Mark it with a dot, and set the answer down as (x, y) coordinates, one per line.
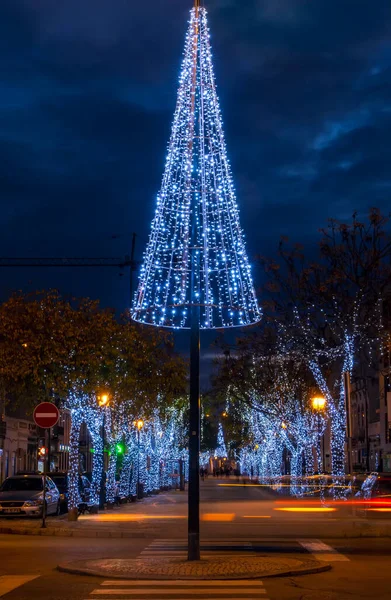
(319, 405)
(103, 402)
(139, 424)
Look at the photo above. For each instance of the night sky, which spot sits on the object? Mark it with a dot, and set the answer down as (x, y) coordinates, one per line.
(87, 97)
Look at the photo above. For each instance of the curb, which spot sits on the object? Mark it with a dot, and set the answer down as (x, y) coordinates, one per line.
(77, 533)
(77, 570)
(99, 533)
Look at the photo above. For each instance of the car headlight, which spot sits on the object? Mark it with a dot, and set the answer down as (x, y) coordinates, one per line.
(33, 502)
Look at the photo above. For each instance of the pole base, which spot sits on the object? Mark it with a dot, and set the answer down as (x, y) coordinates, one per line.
(193, 547)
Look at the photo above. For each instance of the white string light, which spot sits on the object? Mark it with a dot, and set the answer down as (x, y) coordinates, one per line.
(197, 186)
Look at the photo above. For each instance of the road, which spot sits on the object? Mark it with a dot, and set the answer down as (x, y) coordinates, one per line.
(230, 509)
(360, 566)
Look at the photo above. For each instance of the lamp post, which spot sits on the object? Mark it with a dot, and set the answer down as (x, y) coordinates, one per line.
(196, 273)
(319, 405)
(103, 403)
(139, 424)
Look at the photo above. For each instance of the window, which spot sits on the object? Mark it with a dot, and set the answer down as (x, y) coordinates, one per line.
(22, 484)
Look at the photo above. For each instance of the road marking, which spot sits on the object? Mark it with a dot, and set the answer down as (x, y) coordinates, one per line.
(223, 591)
(179, 582)
(243, 589)
(209, 542)
(210, 549)
(322, 551)
(11, 582)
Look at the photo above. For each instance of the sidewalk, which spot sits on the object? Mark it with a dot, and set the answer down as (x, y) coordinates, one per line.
(224, 515)
(131, 520)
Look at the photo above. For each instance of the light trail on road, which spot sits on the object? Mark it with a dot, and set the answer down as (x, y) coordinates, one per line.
(308, 509)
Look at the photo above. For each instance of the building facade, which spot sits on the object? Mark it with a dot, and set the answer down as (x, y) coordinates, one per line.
(21, 441)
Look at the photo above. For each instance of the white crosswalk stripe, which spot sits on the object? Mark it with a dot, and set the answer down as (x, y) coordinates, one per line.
(243, 589)
(11, 582)
(323, 552)
(178, 549)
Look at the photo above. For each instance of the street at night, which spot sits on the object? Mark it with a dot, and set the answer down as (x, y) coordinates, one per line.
(359, 565)
(195, 319)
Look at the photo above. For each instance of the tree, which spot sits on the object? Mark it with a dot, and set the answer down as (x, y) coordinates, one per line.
(330, 309)
(51, 347)
(148, 374)
(269, 405)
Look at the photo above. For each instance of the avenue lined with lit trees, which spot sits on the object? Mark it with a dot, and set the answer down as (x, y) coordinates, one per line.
(281, 387)
(109, 373)
(276, 422)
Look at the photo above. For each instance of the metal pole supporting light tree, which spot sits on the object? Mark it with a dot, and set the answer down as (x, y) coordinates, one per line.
(196, 274)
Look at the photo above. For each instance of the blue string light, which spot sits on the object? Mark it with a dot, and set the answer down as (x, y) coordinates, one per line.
(197, 182)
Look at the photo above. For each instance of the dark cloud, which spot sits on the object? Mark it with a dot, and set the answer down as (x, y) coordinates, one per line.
(88, 93)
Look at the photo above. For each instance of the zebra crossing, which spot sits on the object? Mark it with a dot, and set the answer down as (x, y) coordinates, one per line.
(169, 548)
(250, 589)
(323, 552)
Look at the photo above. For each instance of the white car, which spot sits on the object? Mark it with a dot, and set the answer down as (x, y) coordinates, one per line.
(22, 496)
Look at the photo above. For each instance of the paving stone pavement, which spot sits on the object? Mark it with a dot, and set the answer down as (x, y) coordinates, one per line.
(233, 567)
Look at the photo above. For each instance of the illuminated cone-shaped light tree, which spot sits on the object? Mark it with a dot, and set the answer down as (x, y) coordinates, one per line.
(196, 272)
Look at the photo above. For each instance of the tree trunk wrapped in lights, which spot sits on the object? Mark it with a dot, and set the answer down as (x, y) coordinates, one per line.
(110, 476)
(83, 410)
(94, 423)
(125, 475)
(73, 470)
(221, 449)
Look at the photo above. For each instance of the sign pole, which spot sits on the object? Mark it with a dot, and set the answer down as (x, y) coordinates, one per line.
(46, 415)
(43, 526)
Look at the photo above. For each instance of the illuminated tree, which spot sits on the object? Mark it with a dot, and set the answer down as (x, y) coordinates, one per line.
(197, 192)
(269, 393)
(329, 311)
(196, 272)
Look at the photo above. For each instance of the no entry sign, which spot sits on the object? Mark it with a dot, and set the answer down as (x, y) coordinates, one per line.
(46, 415)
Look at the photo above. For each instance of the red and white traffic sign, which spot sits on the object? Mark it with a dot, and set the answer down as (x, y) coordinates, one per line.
(46, 415)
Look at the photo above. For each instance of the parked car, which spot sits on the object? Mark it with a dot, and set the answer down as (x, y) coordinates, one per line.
(22, 496)
(60, 478)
